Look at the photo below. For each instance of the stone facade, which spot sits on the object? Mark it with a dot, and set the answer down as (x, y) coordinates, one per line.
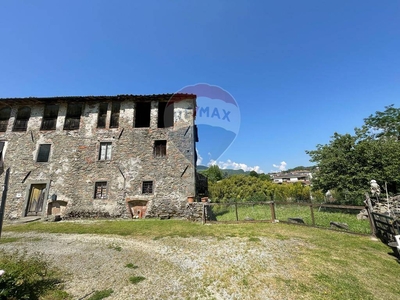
(121, 161)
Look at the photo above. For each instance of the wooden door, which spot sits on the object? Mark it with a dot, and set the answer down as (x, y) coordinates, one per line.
(36, 199)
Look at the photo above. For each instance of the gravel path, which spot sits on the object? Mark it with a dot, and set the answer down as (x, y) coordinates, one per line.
(173, 267)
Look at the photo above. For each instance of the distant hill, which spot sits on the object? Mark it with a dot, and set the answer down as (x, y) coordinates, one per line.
(201, 168)
(301, 168)
(229, 172)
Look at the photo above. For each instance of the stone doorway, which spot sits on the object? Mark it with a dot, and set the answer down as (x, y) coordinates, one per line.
(36, 200)
(137, 208)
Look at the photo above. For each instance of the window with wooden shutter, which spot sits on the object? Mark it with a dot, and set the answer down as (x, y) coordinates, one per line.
(5, 114)
(100, 190)
(105, 151)
(73, 117)
(22, 118)
(160, 148)
(43, 153)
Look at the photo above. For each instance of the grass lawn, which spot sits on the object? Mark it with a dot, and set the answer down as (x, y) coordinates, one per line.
(322, 217)
(331, 265)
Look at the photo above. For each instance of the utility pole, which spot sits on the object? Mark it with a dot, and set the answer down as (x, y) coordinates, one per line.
(3, 199)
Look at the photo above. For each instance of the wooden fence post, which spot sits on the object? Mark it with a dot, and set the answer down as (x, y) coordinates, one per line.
(312, 215)
(237, 217)
(369, 211)
(273, 215)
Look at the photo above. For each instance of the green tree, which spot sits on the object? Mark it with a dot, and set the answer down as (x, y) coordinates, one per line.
(243, 188)
(383, 123)
(336, 162)
(349, 162)
(253, 173)
(266, 177)
(213, 173)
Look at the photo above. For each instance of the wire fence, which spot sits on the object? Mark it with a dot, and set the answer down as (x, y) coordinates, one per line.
(338, 217)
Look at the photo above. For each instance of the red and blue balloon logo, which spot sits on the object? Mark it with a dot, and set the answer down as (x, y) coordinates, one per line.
(217, 120)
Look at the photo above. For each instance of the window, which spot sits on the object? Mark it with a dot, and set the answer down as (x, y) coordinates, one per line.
(50, 115)
(115, 108)
(101, 119)
(142, 114)
(147, 187)
(43, 153)
(160, 148)
(105, 151)
(100, 190)
(102, 116)
(196, 133)
(165, 114)
(5, 114)
(73, 117)
(21, 121)
(2, 144)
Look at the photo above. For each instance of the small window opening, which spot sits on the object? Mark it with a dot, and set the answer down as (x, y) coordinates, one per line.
(196, 133)
(160, 148)
(43, 153)
(21, 121)
(102, 116)
(142, 114)
(100, 190)
(73, 117)
(115, 108)
(1, 157)
(5, 114)
(147, 187)
(50, 115)
(105, 151)
(165, 114)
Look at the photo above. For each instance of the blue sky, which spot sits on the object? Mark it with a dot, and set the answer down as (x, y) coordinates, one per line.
(298, 70)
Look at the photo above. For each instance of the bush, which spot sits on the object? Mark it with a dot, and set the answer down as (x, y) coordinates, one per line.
(25, 277)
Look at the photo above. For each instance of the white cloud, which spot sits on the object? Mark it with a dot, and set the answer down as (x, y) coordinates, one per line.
(199, 159)
(281, 167)
(234, 165)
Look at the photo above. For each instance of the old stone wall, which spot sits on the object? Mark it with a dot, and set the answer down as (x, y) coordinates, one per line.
(194, 211)
(74, 166)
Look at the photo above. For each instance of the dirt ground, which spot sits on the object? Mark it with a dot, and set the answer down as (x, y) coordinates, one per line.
(173, 267)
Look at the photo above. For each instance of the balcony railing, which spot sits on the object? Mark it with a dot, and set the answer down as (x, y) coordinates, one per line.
(49, 124)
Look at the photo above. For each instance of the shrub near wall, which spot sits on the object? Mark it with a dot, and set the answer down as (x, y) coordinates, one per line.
(25, 277)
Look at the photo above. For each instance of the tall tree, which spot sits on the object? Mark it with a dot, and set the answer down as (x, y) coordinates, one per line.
(213, 173)
(383, 123)
(349, 162)
(253, 173)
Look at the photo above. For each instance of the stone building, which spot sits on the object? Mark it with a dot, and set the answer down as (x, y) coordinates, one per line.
(99, 156)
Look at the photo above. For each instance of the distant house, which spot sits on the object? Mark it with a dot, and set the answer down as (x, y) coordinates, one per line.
(303, 177)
